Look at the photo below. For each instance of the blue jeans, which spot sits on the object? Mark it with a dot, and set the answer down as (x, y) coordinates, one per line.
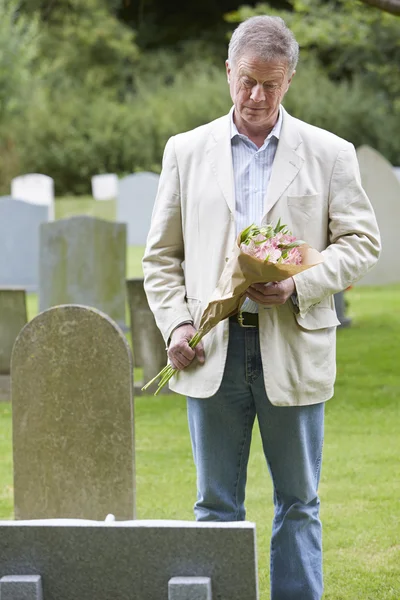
(292, 438)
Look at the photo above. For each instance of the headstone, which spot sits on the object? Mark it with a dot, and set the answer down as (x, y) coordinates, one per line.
(105, 187)
(189, 588)
(137, 559)
(83, 261)
(19, 242)
(383, 189)
(72, 413)
(13, 317)
(397, 172)
(341, 309)
(35, 188)
(5, 388)
(136, 195)
(21, 587)
(148, 345)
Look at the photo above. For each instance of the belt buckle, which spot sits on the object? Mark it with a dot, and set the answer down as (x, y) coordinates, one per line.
(241, 323)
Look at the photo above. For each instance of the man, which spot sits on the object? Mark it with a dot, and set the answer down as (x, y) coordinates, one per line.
(256, 165)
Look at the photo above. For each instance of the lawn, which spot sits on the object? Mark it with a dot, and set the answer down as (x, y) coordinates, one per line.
(360, 485)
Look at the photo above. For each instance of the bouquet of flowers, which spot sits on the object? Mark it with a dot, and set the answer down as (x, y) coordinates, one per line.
(261, 254)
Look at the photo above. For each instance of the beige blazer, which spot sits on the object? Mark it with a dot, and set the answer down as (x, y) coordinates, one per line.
(315, 189)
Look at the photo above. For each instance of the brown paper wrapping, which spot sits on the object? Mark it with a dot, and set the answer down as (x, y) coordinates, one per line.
(241, 271)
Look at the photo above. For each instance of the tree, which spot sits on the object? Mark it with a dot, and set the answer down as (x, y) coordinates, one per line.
(346, 37)
(390, 6)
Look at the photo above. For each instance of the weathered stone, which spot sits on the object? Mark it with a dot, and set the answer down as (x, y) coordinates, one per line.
(147, 342)
(105, 186)
(72, 411)
(35, 188)
(19, 235)
(340, 306)
(21, 587)
(83, 261)
(107, 561)
(136, 195)
(189, 588)
(5, 388)
(13, 317)
(383, 189)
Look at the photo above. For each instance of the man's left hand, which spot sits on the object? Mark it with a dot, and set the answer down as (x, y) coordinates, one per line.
(272, 294)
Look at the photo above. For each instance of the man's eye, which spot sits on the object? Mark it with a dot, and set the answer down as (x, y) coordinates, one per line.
(247, 82)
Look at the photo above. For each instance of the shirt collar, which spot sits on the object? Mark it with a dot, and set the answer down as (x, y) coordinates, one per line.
(275, 131)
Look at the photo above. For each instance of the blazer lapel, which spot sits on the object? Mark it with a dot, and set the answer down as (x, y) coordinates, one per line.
(287, 162)
(219, 153)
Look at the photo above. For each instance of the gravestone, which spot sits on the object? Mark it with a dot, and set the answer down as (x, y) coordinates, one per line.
(341, 309)
(383, 189)
(36, 189)
(105, 187)
(19, 242)
(21, 587)
(83, 261)
(136, 195)
(13, 318)
(5, 388)
(148, 345)
(141, 560)
(397, 172)
(72, 413)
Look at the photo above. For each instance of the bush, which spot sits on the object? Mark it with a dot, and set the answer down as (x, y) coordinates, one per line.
(72, 137)
(351, 110)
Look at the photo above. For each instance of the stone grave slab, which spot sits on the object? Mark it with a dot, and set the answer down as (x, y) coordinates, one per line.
(21, 587)
(136, 559)
(72, 413)
(136, 196)
(5, 388)
(13, 317)
(19, 234)
(148, 345)
(35, 188)
(383, 189)
(83, 261)
(105, 186)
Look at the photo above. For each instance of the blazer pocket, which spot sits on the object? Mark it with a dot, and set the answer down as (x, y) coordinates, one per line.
(302, 210)
(319, 317)
(195, 308)
(302, 204)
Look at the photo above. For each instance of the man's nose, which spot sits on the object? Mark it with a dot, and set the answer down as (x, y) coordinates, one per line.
(257, 93)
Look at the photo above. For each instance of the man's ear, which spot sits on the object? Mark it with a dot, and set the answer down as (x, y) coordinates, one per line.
(228, 71)
(290, 80)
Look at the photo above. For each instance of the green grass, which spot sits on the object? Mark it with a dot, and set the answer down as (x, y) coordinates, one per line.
(360, 487)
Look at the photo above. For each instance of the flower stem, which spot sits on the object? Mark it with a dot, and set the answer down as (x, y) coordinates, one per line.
(169, 371)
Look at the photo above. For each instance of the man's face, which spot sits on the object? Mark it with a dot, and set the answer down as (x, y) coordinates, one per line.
(257, 89)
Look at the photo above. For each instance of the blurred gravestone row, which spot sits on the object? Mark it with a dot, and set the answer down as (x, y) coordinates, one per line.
(35, 188)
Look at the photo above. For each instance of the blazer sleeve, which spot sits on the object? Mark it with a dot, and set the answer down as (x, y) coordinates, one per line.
(354, 240)
(164, 280)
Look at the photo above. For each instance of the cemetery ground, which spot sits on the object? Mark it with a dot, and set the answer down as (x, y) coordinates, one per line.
(360, 486)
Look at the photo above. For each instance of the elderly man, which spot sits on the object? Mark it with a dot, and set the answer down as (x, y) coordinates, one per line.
(258, 164)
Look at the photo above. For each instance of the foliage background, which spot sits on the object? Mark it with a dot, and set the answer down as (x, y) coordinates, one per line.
(99, 86)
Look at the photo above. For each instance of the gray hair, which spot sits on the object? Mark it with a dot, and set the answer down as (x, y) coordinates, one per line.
(268, 38)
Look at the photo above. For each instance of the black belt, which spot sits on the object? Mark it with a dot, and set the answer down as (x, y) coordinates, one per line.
(245, 319)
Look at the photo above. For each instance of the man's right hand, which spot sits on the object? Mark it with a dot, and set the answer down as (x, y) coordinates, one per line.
(180, 354)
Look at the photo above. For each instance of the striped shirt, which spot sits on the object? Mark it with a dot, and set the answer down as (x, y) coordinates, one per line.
(252, 168)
